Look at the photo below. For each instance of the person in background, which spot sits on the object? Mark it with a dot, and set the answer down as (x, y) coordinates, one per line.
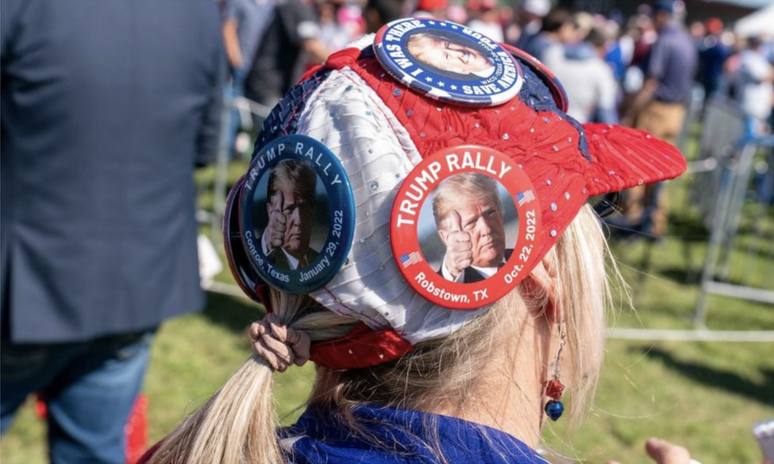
(431, 9)
(377, 13)
(244, 25)
(291, 43)
(457, 14)
(659, 107)
(333, 35)
(529, 20)
(487, 20)
(107, 108)
(558, 29)
(753, 88)
(713, 53)
(589, 82)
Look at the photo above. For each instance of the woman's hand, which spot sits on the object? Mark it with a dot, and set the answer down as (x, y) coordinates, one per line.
(663, 452)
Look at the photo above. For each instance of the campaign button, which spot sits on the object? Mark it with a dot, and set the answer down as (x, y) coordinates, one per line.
(238, 261)
(297, 214)
(448, 61)
(465, 227)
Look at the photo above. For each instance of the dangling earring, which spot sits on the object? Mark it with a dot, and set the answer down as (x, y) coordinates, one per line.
(554, 388)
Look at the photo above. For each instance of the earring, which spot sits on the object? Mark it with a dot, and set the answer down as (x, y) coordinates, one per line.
(554, 387)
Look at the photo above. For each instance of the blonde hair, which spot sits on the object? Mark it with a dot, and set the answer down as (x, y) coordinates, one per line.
(237, 425)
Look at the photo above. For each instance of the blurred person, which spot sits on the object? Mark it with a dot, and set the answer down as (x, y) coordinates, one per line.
(644, 36)
(713, 53)
(457, 13)
(377, 13)
(589, 82)
(487, 20)
(469, 218)
(510, 27)
(431, 9)
(697, 31)
(659, 107)
(244, 25)
(107, 108)
(557, 29)
(582, 23)
(753, 86)
(400, 378)
(530, 20)
(291, 43)
(290, 209)
(333, 35)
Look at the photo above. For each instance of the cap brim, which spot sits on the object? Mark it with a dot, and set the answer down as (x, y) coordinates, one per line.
(623, 158)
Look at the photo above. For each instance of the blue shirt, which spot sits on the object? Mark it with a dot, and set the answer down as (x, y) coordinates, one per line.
(672, 60)
(252, 18)
(396, 436)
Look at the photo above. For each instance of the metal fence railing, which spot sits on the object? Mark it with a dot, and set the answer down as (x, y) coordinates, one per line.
(740, 254)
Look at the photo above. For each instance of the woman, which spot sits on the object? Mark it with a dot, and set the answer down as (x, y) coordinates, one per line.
(401, 377)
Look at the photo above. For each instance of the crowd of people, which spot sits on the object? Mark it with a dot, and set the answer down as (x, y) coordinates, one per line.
(603, 61)
(640, 71)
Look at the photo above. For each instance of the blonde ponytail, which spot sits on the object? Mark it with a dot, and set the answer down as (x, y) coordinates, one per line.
(238, 424)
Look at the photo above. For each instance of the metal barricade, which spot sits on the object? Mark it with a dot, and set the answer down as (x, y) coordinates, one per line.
(250, 113)
(740, 255)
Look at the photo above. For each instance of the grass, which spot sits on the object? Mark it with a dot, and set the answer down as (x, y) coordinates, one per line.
(703, 395)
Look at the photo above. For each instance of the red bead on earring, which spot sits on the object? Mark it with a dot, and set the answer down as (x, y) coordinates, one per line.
(554, 408)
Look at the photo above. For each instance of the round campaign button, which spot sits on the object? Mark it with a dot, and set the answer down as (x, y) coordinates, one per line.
(238, 260)
(465, 226)
(297, 214)
(448, 61)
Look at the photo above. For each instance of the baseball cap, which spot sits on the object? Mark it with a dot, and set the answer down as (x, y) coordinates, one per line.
(383, 132)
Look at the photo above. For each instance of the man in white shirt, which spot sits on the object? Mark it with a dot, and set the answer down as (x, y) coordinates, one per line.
(469, 217)
(753, 85)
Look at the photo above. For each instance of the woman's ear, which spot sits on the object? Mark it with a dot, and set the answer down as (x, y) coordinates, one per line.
(544, 277)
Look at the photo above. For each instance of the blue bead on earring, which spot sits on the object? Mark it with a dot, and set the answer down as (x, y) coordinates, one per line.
(554, 388)
(554, 409)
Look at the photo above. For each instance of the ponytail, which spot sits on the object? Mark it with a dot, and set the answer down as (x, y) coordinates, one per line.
(238, 425)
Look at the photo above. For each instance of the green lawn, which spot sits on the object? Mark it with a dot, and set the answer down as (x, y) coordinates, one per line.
(700, 394)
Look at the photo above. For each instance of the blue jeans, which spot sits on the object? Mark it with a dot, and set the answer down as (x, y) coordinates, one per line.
(89, 387)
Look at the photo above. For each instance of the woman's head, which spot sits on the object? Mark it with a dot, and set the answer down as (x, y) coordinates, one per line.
(447, 372)
(376, 338)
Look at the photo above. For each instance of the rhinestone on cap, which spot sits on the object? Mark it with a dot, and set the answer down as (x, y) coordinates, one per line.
(506, 136)
(395, 92)
(553, 206)
(553, 233)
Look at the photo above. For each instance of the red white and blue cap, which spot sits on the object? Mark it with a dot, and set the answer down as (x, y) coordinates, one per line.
(380, 128)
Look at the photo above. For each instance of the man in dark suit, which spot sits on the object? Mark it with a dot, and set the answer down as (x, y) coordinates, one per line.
(469, 217)
(107, 107)
(290, 207)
